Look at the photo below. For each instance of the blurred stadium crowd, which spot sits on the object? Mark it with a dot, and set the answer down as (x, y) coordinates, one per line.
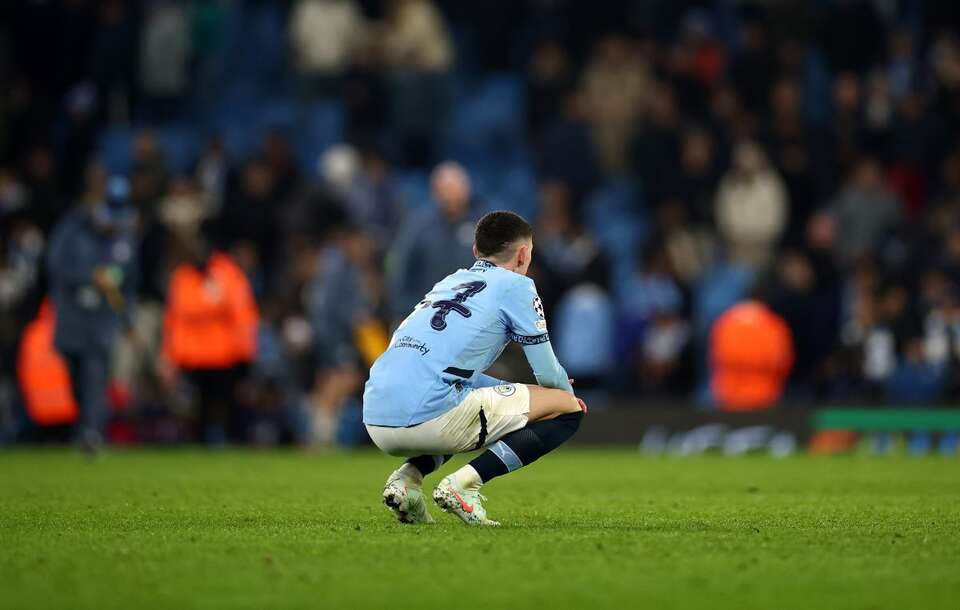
(318, 164)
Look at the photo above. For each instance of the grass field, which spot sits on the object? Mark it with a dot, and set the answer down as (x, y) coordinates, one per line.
(582, 529)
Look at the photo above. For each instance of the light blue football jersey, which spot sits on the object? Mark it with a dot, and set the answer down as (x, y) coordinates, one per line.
(439, 353)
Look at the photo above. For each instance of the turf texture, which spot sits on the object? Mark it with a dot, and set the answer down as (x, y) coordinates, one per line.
(581, 529)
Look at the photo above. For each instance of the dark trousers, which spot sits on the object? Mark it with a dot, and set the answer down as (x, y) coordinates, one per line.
(89, 376)
(216, 390)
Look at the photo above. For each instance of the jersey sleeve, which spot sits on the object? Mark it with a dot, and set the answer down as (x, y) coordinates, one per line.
(527, 326)
(546, 367)
(523, 314)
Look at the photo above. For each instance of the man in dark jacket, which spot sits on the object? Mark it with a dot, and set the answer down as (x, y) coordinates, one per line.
(91, 264)
(434, 241)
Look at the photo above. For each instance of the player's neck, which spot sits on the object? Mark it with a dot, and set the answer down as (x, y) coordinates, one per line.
(490, 261)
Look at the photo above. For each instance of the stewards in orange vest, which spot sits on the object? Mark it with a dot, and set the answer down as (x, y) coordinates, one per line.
(751, 354)
(43, 374)
(210, 335)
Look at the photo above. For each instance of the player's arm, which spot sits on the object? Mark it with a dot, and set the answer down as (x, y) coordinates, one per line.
(546, 367)
(528, 327)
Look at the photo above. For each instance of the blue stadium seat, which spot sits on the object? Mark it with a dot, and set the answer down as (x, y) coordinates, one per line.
(319, 125)
(486, 124)
(614, 213)
(722, 287)
(181, 145)
(115, 149)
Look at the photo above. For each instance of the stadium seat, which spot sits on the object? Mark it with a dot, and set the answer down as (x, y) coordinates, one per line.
(115, 149)
(181, 146)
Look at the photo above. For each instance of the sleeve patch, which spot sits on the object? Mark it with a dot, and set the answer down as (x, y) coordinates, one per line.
(541, 325)
(529, 340)
(538, 307)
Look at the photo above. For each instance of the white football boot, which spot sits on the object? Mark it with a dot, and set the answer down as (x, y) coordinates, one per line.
(467, 504)
(405, 499)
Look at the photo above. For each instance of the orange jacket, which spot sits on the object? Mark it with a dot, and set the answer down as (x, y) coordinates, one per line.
(211, 318)
(44, 378)
(751, 354)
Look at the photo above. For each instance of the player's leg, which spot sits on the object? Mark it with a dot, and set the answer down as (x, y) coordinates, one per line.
(548, 403)
(551, 417)
(403, 493)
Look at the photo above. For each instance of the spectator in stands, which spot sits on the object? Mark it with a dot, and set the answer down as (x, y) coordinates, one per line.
(654, 334)
(78, 136)
(416, 37)
(251, 220)
(940, 303)
(616, 84)
(206, 45)
(417, 51)
(950, 256)
(567, 255)
(21, 256)
(690, 247)
(565, 150)
(113, 58)
(584, 334)
(277, 153)
(323, 36)
(432, 243)
(365, 96)
(754, 66)
(915, 380)
(148, 181)
(846, 132)
(164, 57)
(46, 204)
(807, 304)
(865, 212)
(795, 147)
(92, 275)
(550, 77)
(693, 181)
(665, 360)
(183, 210)
(655, 151)
(372, 200)
(209, 335)
(751, 207)
(210, 173)
(340, 306)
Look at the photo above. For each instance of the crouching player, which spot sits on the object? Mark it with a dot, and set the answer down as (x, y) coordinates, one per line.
(428, 397)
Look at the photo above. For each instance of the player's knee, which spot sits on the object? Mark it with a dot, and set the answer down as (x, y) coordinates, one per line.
(549, 403)
(571, 420)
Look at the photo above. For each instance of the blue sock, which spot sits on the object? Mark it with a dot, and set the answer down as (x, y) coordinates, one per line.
(428, 463)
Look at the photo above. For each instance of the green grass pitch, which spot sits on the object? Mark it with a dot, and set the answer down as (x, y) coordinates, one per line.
(581, 529)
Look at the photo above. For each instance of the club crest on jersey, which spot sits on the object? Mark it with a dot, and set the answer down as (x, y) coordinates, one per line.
(505, 389)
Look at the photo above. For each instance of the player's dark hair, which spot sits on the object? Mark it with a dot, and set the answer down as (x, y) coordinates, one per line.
(497, 230)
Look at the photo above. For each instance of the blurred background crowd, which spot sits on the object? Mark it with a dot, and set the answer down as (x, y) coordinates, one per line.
(231, 202)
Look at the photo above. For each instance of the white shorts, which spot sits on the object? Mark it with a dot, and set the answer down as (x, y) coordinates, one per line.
(485, 416)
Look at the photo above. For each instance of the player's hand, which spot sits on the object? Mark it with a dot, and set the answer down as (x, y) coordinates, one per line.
(102, 279)
(583, 405)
